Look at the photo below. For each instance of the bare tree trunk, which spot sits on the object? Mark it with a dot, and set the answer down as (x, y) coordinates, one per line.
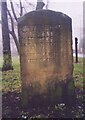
(40, 4)
(7, 60)
(12, 31)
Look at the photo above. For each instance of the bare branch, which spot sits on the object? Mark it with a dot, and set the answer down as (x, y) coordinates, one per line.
(25, 9)
(30, 4)
(21, 8)
(15, 40)
(12, 32)
(12, 22)
(47, 5)
(12, 7)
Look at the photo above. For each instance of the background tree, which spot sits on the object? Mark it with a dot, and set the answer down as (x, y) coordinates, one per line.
(40, 4)
(7, 60)
(13, 18)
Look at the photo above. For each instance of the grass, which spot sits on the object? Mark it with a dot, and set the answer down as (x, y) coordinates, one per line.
(78, 73)
(11, 79)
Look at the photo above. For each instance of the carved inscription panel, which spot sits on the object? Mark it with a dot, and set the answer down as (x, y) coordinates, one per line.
(41, 42)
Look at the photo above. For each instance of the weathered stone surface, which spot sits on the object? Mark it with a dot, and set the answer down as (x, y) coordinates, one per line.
(46, 56)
